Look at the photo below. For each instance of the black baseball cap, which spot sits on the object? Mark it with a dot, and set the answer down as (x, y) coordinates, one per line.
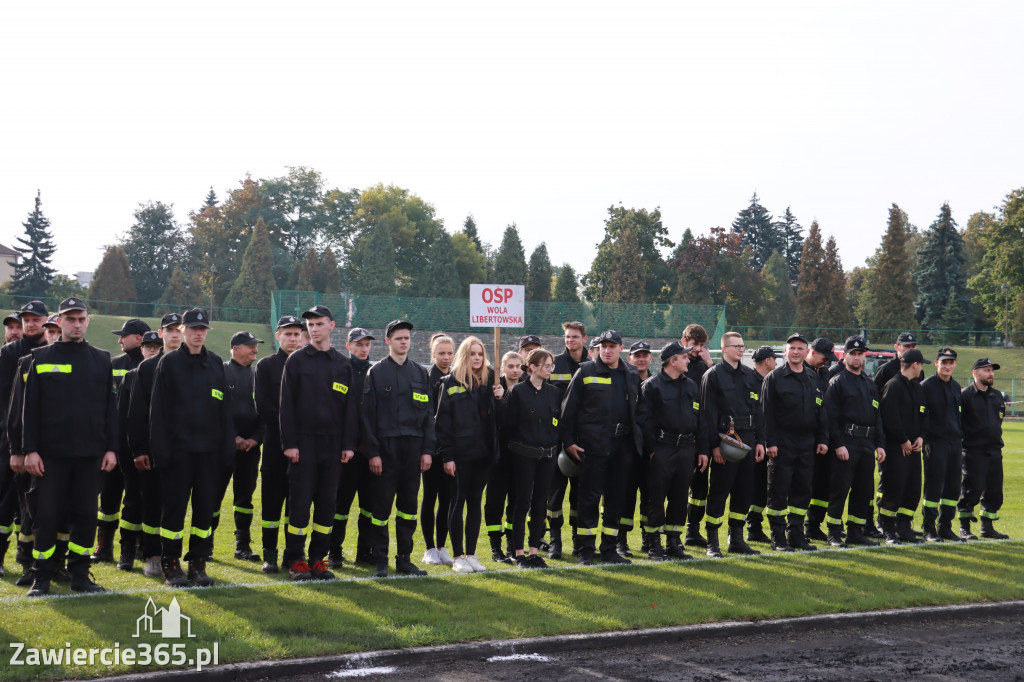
(610, 336)
(673, 349)
(763, 353)
(906, 338)
(983, 362)
(319, 311)
(826, 347)
(169, 320)
(856, 343)
(529, 339)
(69, 304)
(196, 317)
(595, 341)
(358, 334)
(913, 355)
(35, 308)
(13, 317)
(945, 353)
(640, 347)
(395, 325)
(52, 321)
(797, 336)
(132, 326)
(151, 337)
(289, 321)
(244, 339)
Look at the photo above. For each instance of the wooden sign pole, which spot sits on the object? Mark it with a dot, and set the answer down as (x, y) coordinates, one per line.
(497, 353)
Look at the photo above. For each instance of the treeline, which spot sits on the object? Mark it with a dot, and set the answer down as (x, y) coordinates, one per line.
(296, 232)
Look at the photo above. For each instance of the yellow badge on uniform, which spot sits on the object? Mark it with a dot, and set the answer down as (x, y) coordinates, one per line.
(817, 401)
(754, 396)
(554, 421)
(874, 404)
(696, 405)
(420, 397)
(340, 387)
(922, 409)
(219, 395)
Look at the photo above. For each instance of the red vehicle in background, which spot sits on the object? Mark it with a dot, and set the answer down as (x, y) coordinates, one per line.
(873, 359)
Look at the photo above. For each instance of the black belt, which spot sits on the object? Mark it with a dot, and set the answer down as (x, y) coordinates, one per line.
(676, 438)
(532, 452)
(622, 430)
(860, 431)
(740, 424)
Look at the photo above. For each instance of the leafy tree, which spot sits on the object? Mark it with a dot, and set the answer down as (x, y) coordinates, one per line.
(177, 296)
(469, 229)
(1003, 263)
(306, 273)
(780, 302)
(625, 283)
(835, 306)
(793, 235)
(651, 235)
(538, 281)
(940, 278)
(299, 214)
(716, 270)
(255, 284)
(974, 252)
(812, 281)
(566, 285)
(63, 287)
(442, 274)
(377, 265)
(758, 231)
(153, 245)
(32, 272)
(470, 263)
(113, 280)
(889, 302)
(220, 233)
(329, 281)
(510, 261)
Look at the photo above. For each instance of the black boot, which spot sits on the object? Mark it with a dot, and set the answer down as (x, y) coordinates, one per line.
(5, 542)
(855, 536)
(872, 531)
(755, 533)
(270, 561)
(989, 532)
(693, 536)
(779, 543)
(173, 575)
(713, 550)
(497, 555)
(946, 532)
(41, 571)
(243, 538)
(736, 543)
(812, 531)
(23, 555)
(674, 547)
(905, 532)
(835, 535)
(510, 551)
(407, 567)
(797, 540)
(104, 543)
(645, 541)
(129, 540)
(930, 534)
(655, 551)
(60, 562)
(610, 556)
(335, 556)
(555, 546)
(81, 580)
(888, 524)
(622, 543)
(197, 572)
(965, 529)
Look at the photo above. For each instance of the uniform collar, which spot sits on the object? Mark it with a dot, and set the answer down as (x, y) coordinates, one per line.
(311, 350)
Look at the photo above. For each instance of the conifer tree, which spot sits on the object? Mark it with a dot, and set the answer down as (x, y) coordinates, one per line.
(469, 229)
(780, 308)
(757, 230)
(890, 294)
(835, 306)
(811, 279)
(626, 279)
(793, 235)
(255, 281)
(113, 280)
(176, 297)
(307, 272)
(329, 280)
(377, 264)
(941, 281)
(442, 274)
(566, 285)
(510, 260)
(32, 272)
(538, 282)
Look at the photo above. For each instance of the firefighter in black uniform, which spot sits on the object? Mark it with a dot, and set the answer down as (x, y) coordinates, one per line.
(943, 448)
(903, 417)
(822, 353)
(139, 401)
(318, 433)
(69, 434)
(857, 439)
(244, 469)
(129, 337)
(355, 472)
(730, 397)
(984, 408)
(670, 428)
(765, 361)
(904, 342)
(397, 435)
(190, 438)
(131, 514)
(796, 428)
(274, 468)
(640, 358)
(695, 337)
(566, 364)
(600, 427)
(12, 327)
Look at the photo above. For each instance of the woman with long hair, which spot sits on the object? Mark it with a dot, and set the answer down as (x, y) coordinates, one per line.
(498, 514)
(436, 490)
(467, 442)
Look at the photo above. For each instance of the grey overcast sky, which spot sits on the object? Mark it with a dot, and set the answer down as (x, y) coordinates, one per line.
(542, 113)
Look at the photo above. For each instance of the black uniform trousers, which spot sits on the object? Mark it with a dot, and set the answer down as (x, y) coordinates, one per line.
(66, 493)
(983, 482)
(759, 494)
(943, 462)
(437, 501)
(312, 482)
(699, 488)
(532, 482)
(821, 485)
(500, 494)
(140, 516)
(354, 481)
(188, 475)
(560, 483)
(733, 480)
(853, 479)
(668, 475)
(900, 482)
(242, 477)
(467, 493)
(789, 482)
(273, 489)
(8, 503)
(637, 485)
(604, 476)
(397, 487)
(111, 491)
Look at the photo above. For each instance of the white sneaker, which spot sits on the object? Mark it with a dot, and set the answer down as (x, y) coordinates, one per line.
(475, 563)
(431, 558)
(442, 555)
(153, 568)
(462, 565)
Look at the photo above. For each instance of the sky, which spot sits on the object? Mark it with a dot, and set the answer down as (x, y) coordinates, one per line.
(538, 113)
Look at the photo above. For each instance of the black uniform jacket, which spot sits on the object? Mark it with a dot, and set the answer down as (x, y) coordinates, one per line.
(188, 410)
(467, 422)
(696, 369)
(888, 371)
(903, 410)
(853, 400)
(269, 371)
(317, 398)
(124, 394)
(586, 408)
(671, 406)
(835, 369)
(9, 356)
(139, 400)
(12, 440)
(943, 405)
(123, 363)
(983, 418)
(396, 402)
(726, 392)
(531, 415)
(69, 402)
(242, 395)
(565, 368)
(793, 406)
(435, 376)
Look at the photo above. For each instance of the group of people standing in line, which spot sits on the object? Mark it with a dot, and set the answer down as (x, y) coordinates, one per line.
(167, 426)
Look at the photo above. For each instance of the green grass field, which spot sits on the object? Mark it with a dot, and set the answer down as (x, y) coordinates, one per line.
(253, 616)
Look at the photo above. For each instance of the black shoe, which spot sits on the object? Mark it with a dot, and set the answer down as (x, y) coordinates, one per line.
(40, 587)
(889, 531)
(674, 548)
(779, 543)
(381, 571)
(757, 534)
(904, 531)
(299, 572)
(693, 537)
(498, 556)
(835, 539)
(84, 583)
(406, 567)
(244, 552)
(536, 561)
(61, 575)
(989, 532)
(555, 549)
(173, 575)
(544, 546)
(610, 556)
(946, 533)
(104, 545)
(318, 569)
(872, 532)
(585, 557)
(197, 573)
(713, 550)
(797, 540)
(126, 561)
(930, 534)
(523, 561)
(645, 542)
(855, 536)
(26, 576)
(622, 549)
(366, 559)
(270, 561)
(737, 545)
(812, 531)
(335, 558)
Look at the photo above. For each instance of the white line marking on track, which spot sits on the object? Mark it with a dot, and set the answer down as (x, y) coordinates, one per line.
(360, 672)
(519, 657)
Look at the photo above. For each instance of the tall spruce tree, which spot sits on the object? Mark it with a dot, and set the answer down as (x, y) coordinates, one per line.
(812, 281)
(651, 236)
(890, 290)
(153, 245)
(177, 297)
(329, 279)
(255, 282)
(538, 282)
(758, 231)
(113, 280)
(510, 261)
(780, 308)
(377, 266)
(941, 278)
(307, 272)
(469, 229)
(211, 199)
(442, 274)
(567, 285)
(835, 305)
(470, 263)
(793, 234)
(32, 271)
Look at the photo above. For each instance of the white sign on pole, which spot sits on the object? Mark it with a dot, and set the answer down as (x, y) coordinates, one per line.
(497, 305)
